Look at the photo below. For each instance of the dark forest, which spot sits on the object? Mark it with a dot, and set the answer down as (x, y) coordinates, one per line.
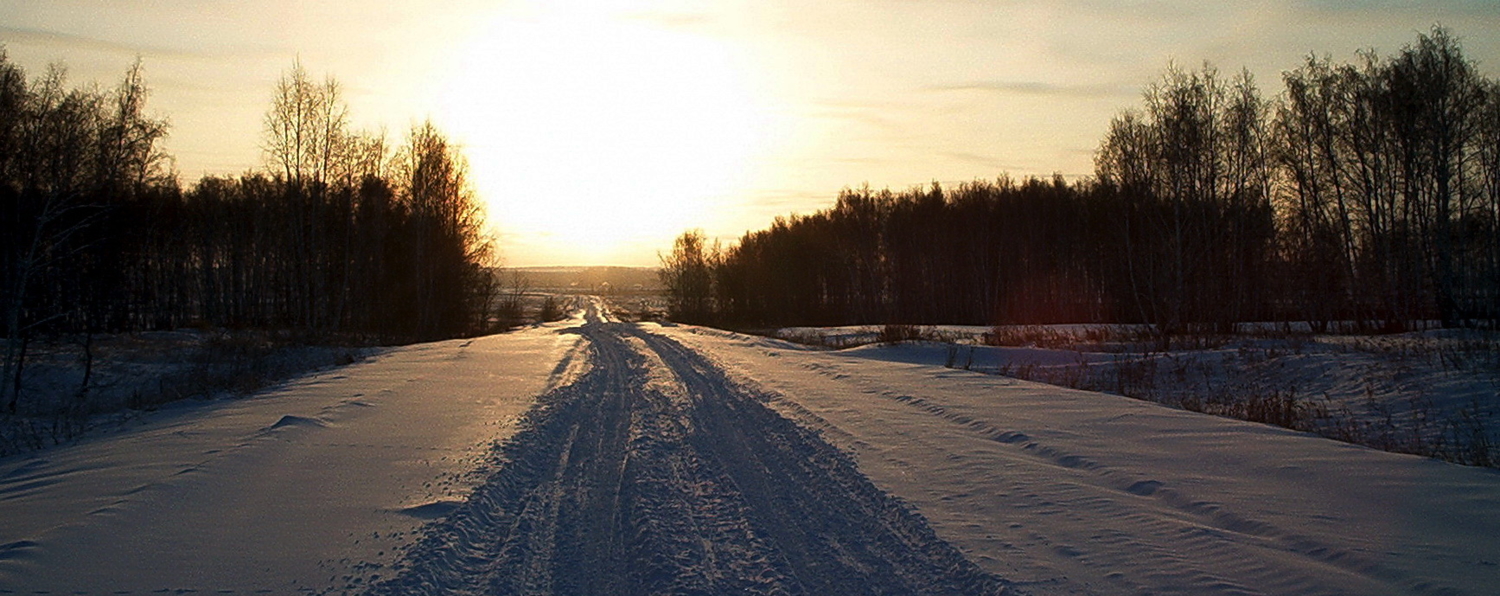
(1365, 192)
(339, 236)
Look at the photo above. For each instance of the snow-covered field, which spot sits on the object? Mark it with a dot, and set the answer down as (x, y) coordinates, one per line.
(599, 457)
(312, 486)
(1433, 392)
(1073, 492)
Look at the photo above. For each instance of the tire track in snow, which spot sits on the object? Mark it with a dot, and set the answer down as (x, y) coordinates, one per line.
(652, 473)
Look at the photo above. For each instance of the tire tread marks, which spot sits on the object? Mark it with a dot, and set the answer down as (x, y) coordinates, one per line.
(614, 486)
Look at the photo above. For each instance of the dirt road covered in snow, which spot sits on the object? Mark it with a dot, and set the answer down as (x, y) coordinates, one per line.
(648, 472)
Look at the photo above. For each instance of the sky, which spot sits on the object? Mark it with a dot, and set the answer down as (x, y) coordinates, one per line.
(598, 130)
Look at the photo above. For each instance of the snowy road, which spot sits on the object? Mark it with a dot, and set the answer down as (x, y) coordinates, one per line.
(648, 472)
(597, 457)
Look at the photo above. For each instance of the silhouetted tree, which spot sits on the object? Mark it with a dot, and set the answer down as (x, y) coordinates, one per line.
(687, 274)
(71, 163)
(449, 253)
(333, 239)
(1193, 173)
(1368, 191)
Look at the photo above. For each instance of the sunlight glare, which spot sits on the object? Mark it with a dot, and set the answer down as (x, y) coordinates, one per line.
(597, 133)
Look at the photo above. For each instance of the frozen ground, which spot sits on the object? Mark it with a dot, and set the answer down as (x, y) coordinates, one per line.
(598, 457)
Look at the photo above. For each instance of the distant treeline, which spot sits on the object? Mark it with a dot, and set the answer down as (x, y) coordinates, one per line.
(1366, 192)
(339, 234)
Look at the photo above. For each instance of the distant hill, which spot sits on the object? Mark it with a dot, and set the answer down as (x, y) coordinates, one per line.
(585, 279)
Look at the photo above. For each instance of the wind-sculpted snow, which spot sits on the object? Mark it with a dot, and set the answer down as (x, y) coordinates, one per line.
(652, 473)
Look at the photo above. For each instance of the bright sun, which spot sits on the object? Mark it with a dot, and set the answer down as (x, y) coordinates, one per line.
(599, 138)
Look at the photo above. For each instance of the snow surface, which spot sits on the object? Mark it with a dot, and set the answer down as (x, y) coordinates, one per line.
(312, 486)
(604, 457)
(1431, 392)
(1072, 492)
(649, 472)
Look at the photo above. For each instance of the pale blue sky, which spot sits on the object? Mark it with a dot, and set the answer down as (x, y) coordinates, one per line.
(719, 114)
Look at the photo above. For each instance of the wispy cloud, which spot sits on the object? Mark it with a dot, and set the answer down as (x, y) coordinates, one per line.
(67, 40)
(1479, 8)
(675, 20)
(986, 161)
(878, 115)
(757, 208)
(1085, 91)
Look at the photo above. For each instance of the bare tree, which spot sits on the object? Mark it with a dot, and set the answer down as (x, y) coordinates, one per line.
(70, 158)
(688, 275)
(1436, 94)
(450, 253)
(1192, 169)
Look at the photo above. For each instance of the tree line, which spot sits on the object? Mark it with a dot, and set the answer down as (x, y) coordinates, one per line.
(340, 235)
(1366, 192)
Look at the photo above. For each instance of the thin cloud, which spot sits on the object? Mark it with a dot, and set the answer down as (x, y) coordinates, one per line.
(42, 37)
(1478, 8)
(675, 20)
(778, 200)
(1087, 91)
(877, 115)
(55, 38)
(986, 161)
